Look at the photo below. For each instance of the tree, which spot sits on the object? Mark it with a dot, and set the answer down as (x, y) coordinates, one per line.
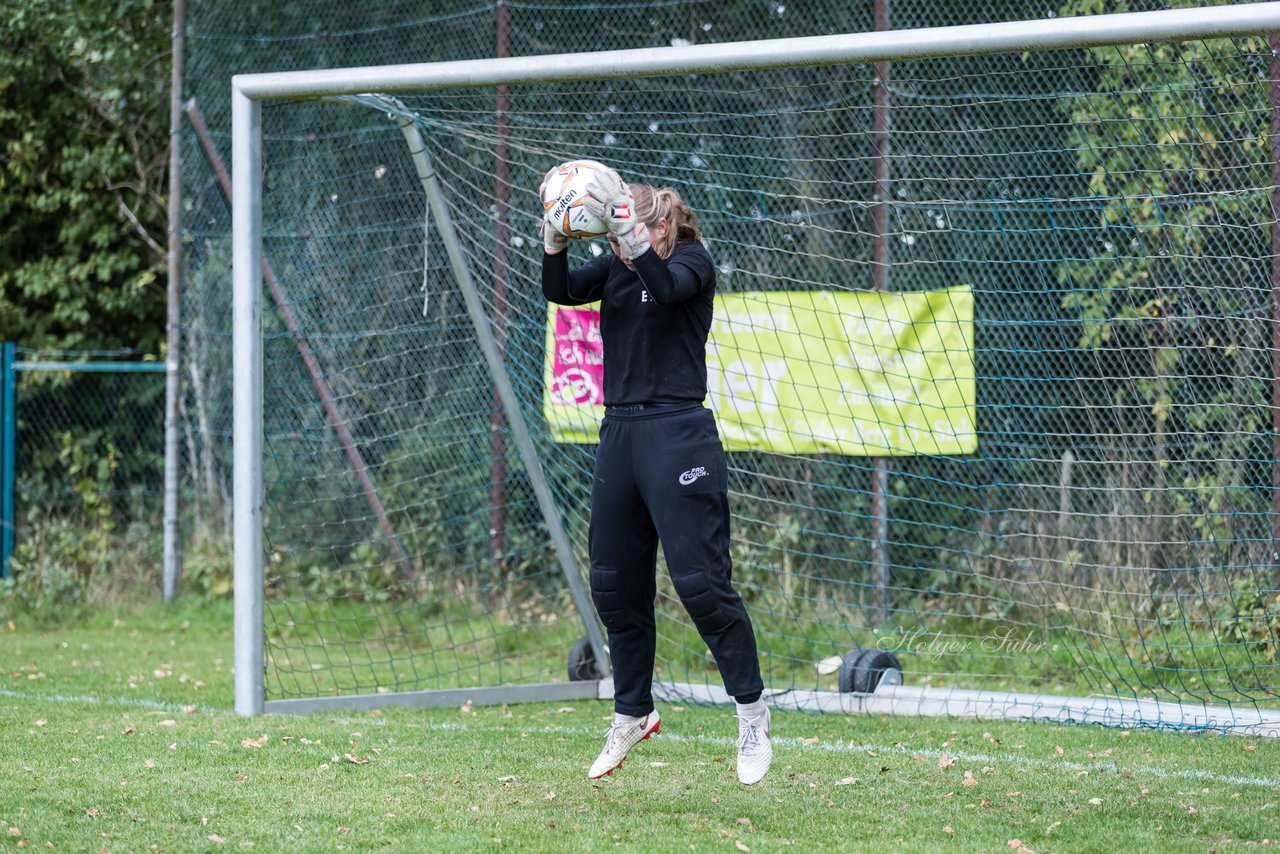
(1174, 139)
(83, 117)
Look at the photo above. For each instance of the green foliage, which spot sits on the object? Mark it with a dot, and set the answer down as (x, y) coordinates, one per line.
(1172, 147)
(207, 569)
(1254, 621)
(83, 100)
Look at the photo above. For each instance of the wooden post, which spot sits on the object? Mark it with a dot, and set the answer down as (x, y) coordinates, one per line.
(880, 282)
(501, 197)
(327, 399)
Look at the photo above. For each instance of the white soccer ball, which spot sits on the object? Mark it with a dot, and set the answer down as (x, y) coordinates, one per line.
(563, 198)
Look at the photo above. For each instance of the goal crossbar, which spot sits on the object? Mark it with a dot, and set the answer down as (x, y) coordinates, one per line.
(848, 49)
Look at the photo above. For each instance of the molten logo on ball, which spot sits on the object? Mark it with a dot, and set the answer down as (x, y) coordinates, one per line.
(563, 200)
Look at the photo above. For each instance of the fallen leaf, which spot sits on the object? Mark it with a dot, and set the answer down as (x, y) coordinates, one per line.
(1058, 751)
(565, 710)
(1097, 802)
(255, 742)
(846, 781)
(127, 731)
(510, 778)
(355, 760)
(92, 812)
(948, 830)
(216, 839)
(740, 845)
(969, 779)
(347, 829)
(945, 761)
(467, 708)
(167, 723)
(41, 722)
(814, 740)
(549, 796)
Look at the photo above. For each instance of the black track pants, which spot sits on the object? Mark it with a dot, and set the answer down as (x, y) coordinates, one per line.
(661, 476)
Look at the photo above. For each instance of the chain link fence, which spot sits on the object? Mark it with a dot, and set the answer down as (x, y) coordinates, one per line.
(85, 456)
(222, 41)
(1108, 208)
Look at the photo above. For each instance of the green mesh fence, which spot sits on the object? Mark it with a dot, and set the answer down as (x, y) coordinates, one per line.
(88, 463)
(1109, 211)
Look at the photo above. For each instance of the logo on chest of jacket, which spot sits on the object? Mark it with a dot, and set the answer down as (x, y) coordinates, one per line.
(692, 475)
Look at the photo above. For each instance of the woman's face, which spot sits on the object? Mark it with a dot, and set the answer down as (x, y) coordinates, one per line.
(657, 232)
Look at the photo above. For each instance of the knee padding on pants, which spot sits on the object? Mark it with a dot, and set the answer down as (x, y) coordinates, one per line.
(702, 603)
(605, 595)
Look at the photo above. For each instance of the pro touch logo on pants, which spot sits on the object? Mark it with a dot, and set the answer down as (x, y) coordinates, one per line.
(692, 475)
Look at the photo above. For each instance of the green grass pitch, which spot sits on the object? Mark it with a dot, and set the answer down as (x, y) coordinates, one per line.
(118, 735)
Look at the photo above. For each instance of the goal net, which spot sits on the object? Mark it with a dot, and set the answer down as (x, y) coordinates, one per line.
(993, 360)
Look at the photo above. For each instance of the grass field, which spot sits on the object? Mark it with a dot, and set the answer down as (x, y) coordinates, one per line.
(118, 735)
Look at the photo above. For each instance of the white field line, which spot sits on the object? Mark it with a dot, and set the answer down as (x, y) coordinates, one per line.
(722, 741)
(959, 756)
(108, 701)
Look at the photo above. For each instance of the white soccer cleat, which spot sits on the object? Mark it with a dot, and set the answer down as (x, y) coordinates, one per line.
(618, 743)
(755, 750)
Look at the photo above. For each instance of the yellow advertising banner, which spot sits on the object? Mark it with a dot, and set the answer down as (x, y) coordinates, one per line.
(798, 372)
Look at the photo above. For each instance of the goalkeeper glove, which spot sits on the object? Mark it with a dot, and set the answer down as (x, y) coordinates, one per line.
(611, 200)
(553, 242)
(546, 179)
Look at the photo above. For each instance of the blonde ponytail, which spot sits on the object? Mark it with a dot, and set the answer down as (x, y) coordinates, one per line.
(653, 204)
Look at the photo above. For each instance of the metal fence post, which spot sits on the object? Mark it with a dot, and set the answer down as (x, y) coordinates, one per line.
(8, 457)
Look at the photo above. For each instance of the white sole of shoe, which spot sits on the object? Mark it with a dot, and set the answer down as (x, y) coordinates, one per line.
(655, 730)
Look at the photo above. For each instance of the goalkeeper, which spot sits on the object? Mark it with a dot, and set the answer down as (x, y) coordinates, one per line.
(660, 471)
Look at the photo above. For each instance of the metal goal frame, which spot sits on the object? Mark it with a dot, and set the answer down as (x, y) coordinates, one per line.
(250, 91)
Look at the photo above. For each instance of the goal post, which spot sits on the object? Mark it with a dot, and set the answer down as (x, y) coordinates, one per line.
(1068, 366)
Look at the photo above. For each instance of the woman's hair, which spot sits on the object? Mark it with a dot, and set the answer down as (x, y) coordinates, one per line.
(653, 204)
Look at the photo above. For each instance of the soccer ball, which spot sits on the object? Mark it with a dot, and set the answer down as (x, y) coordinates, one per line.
(563, 198)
